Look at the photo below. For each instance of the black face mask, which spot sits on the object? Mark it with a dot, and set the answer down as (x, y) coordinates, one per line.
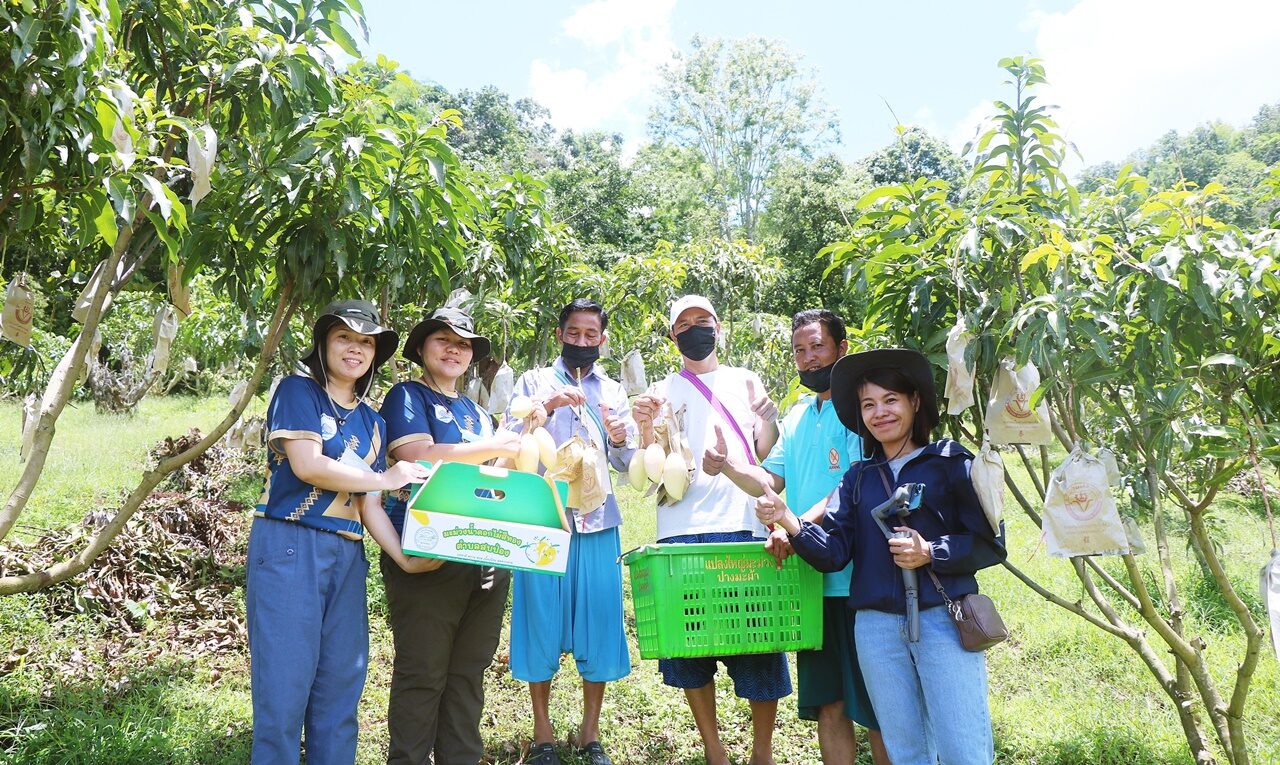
(697, 342)
(817, 380)
(579, 356)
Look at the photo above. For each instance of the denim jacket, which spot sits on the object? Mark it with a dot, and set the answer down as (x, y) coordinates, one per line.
(949, 517)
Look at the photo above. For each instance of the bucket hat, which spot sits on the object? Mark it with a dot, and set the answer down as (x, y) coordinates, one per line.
(360, 316)
(455, 319)
(849, 371)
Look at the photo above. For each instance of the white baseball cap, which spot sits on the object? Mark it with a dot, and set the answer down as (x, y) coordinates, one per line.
(690, 301)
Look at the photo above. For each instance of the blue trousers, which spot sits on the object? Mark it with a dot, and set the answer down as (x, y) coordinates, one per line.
(930, 697)
(578, 613)
(308, 642)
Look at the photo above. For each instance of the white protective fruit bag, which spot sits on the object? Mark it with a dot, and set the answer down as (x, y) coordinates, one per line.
(1010, 418)
(1080, 515)
(179, 293)
(987, 475)
(634, 380)
(19, 307)
(1137, 545)
(500, 390)
(1270, 577)
(959, 390)
(81, 311)
(162, 334)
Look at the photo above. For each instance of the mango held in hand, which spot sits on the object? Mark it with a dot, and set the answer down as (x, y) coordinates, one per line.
(675, 478)
(521, 407)
(654, 461)
(527, 458)
(546, 447)
(636, 472)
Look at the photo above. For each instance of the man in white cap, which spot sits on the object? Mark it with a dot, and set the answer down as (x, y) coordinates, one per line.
(709, 399)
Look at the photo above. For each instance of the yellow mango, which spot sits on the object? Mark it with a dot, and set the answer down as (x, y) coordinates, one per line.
(654, 461)
(527, 459)
(675, 478)
(546, 447)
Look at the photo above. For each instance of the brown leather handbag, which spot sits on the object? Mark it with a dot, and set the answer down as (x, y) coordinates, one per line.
(975, 617)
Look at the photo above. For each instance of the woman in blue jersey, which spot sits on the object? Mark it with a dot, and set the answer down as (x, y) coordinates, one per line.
(446, 621)
(930, 695)
(306, 568)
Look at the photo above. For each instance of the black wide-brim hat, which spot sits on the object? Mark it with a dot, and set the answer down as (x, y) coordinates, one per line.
(359, 316)
(847, 375)
(452, 318)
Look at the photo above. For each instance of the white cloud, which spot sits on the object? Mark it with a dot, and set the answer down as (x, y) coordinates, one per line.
(631, 41)
(1124, 73)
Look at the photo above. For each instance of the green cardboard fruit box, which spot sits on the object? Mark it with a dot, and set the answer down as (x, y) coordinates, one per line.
(490, 516)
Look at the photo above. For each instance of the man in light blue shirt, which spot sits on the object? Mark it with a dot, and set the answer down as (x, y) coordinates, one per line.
(581, 612)
(812, 454)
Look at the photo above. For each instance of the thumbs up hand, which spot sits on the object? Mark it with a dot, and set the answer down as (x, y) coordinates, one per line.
(761, 405)
(713, 458)
(615, 428)
(770, 509)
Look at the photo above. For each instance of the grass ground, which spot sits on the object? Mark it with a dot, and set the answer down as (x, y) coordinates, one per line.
(1062, 693)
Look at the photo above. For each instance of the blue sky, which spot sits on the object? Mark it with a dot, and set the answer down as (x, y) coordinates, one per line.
(1122, 71)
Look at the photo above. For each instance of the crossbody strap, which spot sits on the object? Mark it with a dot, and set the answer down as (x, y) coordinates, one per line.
(888, 490)
(719, 406)
(595, 415)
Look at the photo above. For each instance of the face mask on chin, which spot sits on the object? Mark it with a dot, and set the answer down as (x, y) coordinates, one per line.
(579, 356)
(696, 342)
(817, 380)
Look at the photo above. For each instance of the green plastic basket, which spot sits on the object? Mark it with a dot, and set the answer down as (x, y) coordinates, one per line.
(722, 599)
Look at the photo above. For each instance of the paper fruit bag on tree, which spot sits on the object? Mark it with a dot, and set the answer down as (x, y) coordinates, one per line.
(162, 334)
(19, 308)
(1271, 597)
(81, 311)
(987, 475)
(1080, 515)
(959, 390)
(634, 380)
(500, 390)
(1010, 418)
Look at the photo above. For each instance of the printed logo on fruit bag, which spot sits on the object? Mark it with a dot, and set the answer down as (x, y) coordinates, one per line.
(1082, 501)
(1018, 406)
(736, 569)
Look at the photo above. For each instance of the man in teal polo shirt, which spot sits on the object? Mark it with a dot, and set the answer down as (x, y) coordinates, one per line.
(812, 454)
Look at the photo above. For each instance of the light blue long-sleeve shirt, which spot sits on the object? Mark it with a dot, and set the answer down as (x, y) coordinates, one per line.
(563, 423)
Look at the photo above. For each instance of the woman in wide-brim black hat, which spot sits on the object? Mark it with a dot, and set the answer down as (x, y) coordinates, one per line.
(306, 570)
(447, 620)
(888, 397)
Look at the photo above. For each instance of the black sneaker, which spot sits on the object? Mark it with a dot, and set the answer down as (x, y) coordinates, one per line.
(595, 754)
(544, 754)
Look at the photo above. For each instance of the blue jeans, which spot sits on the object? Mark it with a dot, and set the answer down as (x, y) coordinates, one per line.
(308, 641)
(930, 697)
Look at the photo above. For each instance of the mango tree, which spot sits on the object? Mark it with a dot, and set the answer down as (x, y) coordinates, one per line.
(1155, 328)
(316, 189)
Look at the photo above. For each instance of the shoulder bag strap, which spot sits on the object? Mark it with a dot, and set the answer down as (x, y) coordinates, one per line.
(719, 406)
(591, 410)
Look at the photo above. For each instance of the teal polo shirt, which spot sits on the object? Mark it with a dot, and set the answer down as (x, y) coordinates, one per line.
(813, 451)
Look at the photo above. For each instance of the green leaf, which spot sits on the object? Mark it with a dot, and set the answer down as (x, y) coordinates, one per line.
(1224, 359)
(339, 34)
(105, 221)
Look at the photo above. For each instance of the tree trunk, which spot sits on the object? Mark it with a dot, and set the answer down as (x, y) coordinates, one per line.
(66, 569)
(58, 390)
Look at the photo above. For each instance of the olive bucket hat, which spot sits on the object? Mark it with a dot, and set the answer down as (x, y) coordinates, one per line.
(455, 319)
(360, 316)
(847, 375)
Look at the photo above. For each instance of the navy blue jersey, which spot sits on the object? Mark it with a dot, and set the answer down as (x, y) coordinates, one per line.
(300, 409)
(413, 412)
